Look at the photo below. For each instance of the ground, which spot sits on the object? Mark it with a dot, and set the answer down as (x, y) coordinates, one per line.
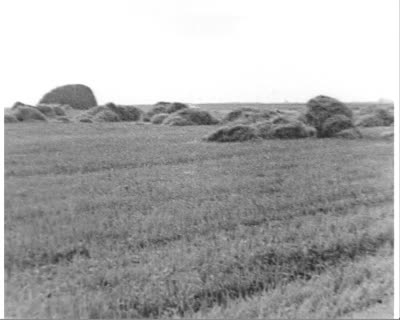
(121, 220)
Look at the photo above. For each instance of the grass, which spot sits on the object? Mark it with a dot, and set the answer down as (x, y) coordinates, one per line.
(173, 226)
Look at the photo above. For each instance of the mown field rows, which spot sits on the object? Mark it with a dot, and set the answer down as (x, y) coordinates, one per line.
(125, 220)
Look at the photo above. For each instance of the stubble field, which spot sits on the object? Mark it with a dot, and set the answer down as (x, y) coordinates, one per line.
(120, 220)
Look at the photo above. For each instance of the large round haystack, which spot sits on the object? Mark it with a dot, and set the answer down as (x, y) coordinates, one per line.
(187, 117)
(78, 96)
(233, 134)
(125, 113)
(335, 124)
(292, 130)
(51, 110)
(10, 118)
(28, 113)
(379, 118)
(159, 118)
(320, 108)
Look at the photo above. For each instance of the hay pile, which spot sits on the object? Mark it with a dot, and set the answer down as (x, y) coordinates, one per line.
(26, 113)
(249, 115)
(190, 117)
(233, 134)
(335, 124)
(378, 118)
(125, 113)
(111, 112)
(52, 110)
(165, 107)
(262, 130)
(159, 118)
(78, 96)
(10, 118)
(321, 108)
(351, 133)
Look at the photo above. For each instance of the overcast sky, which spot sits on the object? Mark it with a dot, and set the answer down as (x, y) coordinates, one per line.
(144, 51)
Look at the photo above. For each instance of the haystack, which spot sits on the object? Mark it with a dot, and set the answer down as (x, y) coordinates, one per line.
(78, 96)
(378, 118)
(291, 130)
(320, 108)
(125, 113)
(28, 113)
(335, 124)
(351, 133)
(176, 106)
(10, 118)
(249, 115)
(51, 110)
(159, 118)
(187, 117)
(233, 134)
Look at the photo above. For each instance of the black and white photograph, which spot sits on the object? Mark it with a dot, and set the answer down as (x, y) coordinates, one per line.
(199, 159)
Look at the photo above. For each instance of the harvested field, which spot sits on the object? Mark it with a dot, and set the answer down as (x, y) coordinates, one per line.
(118, 220)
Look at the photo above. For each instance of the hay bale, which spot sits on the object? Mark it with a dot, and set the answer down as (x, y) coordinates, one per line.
(10, 118)
(186, 117)
(236, 133)
(159, 118)
(51, 110)
(28, 113)
(125, 113)
(292, 130)
(379, 118)
(335, 124)
(78, 96)
(320, 108)
(350, 133)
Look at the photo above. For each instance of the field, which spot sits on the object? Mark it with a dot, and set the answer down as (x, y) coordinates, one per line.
(121, 220)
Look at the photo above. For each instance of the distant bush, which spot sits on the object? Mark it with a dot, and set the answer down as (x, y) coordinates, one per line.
(320, 108)
(233, 134)
(335, 124)
(78, 96)
(28, 113)
(10, 118)
(159, 118)
(379, 118)
(187, 117)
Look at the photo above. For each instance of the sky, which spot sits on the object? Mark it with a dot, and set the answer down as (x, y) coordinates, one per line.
(144, 51)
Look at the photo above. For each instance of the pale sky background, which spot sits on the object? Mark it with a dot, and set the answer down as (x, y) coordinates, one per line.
(145, 51)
